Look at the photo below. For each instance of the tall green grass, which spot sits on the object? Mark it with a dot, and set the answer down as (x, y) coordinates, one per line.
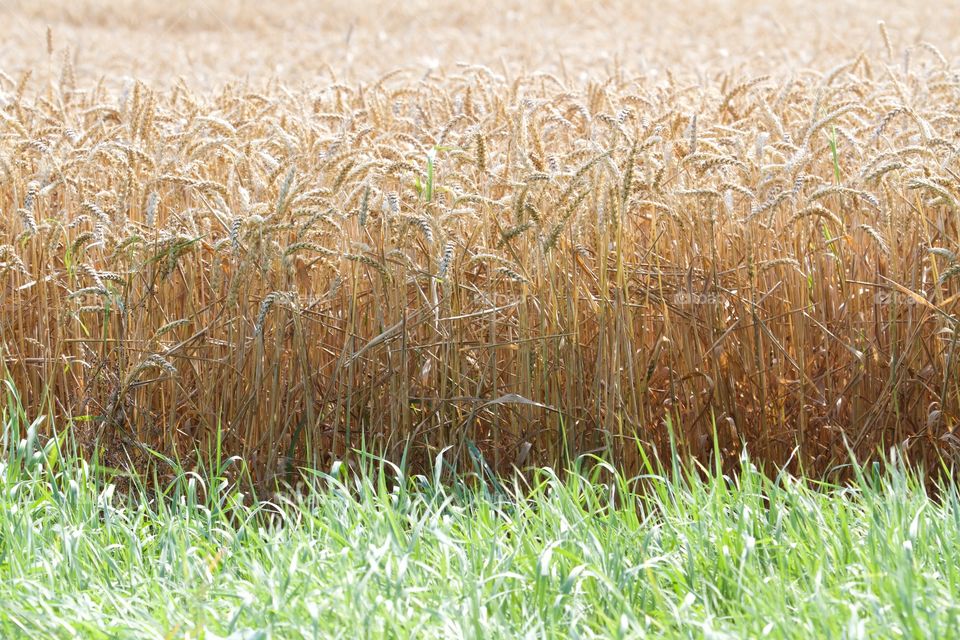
(378, 554)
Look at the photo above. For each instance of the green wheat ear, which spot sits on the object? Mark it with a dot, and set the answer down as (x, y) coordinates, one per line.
(431, 158)
(833, 150)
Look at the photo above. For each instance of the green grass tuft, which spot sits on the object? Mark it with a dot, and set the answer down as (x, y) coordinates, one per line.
(374, 554)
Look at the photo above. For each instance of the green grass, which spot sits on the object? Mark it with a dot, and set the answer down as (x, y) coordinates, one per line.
(589, 555)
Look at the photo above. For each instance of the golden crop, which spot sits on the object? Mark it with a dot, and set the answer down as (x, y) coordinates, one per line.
(532, 264)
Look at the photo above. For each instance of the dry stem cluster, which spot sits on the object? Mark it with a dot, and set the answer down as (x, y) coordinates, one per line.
(520, 267)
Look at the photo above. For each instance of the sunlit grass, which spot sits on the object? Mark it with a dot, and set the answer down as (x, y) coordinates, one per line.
(380, 555)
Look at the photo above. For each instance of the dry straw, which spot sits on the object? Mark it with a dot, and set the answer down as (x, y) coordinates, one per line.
(615, 265)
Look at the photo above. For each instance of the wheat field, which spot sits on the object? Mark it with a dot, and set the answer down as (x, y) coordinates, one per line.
(526, 234)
